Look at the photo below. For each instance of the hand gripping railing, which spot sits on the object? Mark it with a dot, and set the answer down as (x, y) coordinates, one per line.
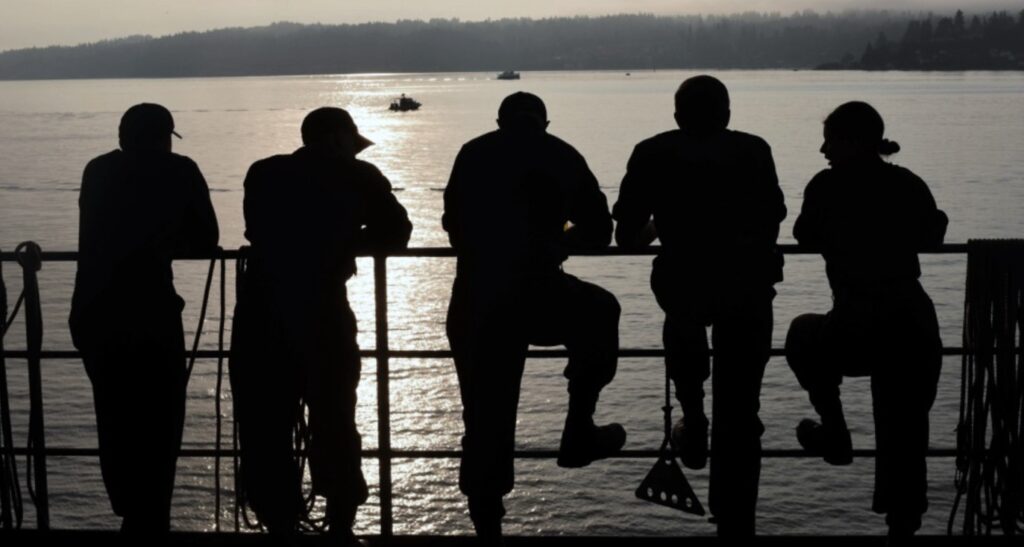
(34, 353)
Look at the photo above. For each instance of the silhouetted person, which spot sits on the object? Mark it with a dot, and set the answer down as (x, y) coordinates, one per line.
(139, 207)
(307, 215)
(716, 205)
(869, 218)
(507, 209)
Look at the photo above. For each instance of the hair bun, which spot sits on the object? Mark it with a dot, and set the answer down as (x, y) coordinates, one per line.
(887, 147)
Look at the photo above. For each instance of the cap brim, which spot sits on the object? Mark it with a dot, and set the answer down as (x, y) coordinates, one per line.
(362, 143)
(175, 133)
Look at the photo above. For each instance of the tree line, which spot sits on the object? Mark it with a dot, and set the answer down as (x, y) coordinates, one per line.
(986, 42)
(626, 42)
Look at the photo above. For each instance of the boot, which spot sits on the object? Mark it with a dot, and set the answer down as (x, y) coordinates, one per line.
(486, 513)
(582, 441)
(831, 442)
(690, 437)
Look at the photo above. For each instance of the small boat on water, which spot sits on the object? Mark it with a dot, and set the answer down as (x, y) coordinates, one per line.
(404, 104)
(508, 75)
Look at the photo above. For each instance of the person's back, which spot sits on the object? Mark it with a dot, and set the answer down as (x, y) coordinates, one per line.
(307, 215)
(517, 201)
(715, 201)
(139, 207)
(869, 219)
(508, 201)
(716, 206)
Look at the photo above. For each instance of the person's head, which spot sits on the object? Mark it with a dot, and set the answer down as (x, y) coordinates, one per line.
(523, 111)
(146, 126)
(332, 131)
(855, 132)
(702, 105)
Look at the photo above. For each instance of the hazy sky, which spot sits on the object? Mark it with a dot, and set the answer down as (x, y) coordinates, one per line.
(25, 23)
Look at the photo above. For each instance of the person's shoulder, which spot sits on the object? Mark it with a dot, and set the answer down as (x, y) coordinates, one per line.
(491, 138)
(560, 145)
(182, 162)
(664, 140)
(747, 140)
(366, 169)
(277, 161)
(819, 181)
(104, 160)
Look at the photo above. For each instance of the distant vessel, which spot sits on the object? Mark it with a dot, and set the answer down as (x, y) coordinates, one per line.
(404, 104)
(508, 75)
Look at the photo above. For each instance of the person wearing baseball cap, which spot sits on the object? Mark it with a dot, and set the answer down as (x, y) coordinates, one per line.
(140, 206)
(307, 215)
(518, 200)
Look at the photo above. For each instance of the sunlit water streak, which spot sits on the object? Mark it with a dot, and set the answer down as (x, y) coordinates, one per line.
(963, 133)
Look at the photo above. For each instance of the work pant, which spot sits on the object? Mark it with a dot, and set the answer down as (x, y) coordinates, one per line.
(893, 337)
(490, 327)
(280, 360)
(741, 336)
(138, 379)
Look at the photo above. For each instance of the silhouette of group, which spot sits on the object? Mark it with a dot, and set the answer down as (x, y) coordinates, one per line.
(708, 193)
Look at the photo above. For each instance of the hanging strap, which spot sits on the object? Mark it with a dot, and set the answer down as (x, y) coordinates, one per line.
(29, 256)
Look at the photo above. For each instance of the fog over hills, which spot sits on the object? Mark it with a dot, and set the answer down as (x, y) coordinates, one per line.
(751, 40)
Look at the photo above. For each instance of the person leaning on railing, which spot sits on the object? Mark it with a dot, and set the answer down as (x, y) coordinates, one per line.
(869, 218)
(307, 215)
(716, 207)
(139, 206)
(517, 201)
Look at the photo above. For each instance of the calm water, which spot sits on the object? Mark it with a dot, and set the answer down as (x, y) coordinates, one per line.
(963, 133)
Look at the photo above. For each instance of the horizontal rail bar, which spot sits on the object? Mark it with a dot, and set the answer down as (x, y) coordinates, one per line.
(428, 252)
(420, 354)
(451, 454)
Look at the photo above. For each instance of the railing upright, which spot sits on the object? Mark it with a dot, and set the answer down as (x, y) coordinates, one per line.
(380, 287)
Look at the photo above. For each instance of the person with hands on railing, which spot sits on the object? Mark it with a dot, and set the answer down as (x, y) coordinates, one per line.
(140, 206)
(716, 206)
(307, 215)
(869, 219)
(517, 201)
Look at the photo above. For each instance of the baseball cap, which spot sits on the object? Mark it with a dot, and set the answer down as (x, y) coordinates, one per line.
(146, 122)
(328, 119)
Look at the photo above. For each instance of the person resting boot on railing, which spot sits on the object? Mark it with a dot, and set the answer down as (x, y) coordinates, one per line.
(869, 218)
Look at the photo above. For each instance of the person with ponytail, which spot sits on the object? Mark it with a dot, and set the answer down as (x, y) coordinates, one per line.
(869, 218)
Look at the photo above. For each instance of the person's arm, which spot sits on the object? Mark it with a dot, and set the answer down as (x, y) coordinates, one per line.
(809, 227)
(934, 221)
(772, 203)
(386, 225)
(201, 230)
(588, 212)
(632, 211)
(450, 216)
(88, 212)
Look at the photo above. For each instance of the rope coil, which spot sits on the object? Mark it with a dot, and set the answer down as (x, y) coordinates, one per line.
(989, 476)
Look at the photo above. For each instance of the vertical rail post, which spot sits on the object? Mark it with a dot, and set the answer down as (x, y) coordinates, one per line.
(380, 287)
(30, 258)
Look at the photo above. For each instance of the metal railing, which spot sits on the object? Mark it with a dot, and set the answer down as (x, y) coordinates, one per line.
(383, 353)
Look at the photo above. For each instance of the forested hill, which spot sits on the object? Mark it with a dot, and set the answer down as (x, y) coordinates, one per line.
(993, 41)
(801, 40)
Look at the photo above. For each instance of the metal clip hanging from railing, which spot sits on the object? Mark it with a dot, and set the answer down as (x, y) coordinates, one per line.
(665, 484)
(29, 256)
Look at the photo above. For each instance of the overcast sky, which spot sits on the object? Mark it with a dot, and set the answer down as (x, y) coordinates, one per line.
(25, 23)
